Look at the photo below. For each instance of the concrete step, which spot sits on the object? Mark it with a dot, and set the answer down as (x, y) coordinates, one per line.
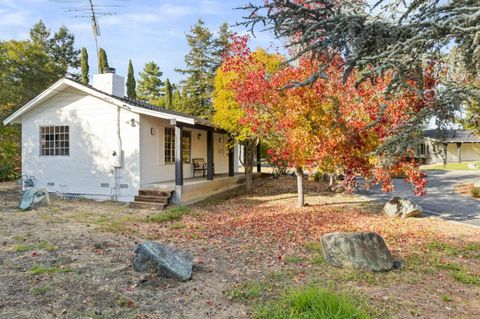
(147, 205)
(154, 192)
(152, 199)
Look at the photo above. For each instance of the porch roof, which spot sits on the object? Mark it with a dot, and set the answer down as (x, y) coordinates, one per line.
(452, 136)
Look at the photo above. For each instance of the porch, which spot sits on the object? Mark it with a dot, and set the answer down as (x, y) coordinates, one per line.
(199, 188)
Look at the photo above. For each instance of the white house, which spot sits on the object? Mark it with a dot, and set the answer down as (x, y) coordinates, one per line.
(448, 146)
(91, 141)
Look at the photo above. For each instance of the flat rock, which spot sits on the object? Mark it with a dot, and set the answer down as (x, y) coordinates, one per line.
(167, 262)
(402, 207)
(360, 250)
(34, 197)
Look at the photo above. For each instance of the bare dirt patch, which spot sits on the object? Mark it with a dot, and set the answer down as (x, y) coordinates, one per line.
(72, 260)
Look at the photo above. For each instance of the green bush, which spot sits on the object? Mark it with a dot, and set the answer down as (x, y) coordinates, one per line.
(317, 176)
(311, 303)
(475, 192)
(9, 153)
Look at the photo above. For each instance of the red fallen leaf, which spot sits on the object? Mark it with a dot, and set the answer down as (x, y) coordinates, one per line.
(209, 302)
(35, 254)
(132, 304)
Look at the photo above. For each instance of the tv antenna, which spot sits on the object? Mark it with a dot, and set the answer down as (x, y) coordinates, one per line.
(87, 9)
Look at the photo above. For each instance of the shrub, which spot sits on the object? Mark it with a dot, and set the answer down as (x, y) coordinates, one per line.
(475, 192)
(311, 302)
(317, 176)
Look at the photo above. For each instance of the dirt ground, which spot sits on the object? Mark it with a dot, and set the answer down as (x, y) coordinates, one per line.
(72, 259)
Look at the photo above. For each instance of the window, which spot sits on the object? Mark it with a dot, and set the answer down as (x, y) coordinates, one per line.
(187, 146)
(169, 145)
(54, 141)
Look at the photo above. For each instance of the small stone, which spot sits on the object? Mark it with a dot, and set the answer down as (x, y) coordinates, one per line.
(364, 250)
(402, 207)
(167, 262)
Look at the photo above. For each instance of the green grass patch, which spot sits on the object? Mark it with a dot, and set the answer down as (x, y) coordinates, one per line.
(311, 302)
(42, 270)
(43, 245)
(451, 166)
(445, 298)
(249, 291)
(177, 225)
(466, 278)
(172, 214)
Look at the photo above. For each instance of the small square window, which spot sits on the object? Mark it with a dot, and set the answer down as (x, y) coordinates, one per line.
(54, 141)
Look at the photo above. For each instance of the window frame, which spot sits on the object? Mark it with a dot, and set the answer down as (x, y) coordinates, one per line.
(187, 135)
(54, 148)
(171, 149)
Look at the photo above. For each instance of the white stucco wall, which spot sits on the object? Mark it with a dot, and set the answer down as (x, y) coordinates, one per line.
(93, 139)
(152, 149)
(470, 152)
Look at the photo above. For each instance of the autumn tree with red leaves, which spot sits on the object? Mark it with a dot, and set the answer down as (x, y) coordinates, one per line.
(326, 125)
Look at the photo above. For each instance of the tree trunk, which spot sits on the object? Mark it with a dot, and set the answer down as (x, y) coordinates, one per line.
(300, 195)
(249, 151)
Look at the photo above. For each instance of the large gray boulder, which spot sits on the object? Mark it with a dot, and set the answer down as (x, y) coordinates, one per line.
(402, 207)
(167, 262)
(361, 250)
(34, 197)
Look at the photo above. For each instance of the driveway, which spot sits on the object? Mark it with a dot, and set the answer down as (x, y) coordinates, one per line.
(440, 199)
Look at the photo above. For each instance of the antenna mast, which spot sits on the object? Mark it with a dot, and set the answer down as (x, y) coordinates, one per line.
(87, 9)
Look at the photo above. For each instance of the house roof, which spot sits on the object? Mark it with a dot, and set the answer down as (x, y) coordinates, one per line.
(133, 105)
(452, 136)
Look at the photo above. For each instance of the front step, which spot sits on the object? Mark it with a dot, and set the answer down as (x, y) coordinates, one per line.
(147, 205)
(154, 192)
(152, 199)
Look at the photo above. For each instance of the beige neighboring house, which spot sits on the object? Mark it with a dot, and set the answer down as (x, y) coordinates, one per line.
(449, 146)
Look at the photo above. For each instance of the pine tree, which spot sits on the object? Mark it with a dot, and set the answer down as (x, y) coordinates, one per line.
(102, 60)
(221, 45)
(40, 34)
(84, 66)
(199, 64)
(168, 95)
(131, 84)
(60, 47)
(150, 84)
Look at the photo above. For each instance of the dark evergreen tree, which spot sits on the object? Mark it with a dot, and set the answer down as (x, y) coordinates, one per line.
(131, 83)
(60, 47)
(102, 60)
(84, 66)
(150, 84)
(168, 95)
(221, 45)
(199, 65)
(40, 34)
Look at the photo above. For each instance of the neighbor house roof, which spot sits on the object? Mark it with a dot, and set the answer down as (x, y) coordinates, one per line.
(452, 136)
(133, 105)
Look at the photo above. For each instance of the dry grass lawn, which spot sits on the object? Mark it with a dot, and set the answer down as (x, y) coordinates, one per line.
(72, 259)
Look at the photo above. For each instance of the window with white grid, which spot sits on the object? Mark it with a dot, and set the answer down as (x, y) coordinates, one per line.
(169, 145)
(54, 141)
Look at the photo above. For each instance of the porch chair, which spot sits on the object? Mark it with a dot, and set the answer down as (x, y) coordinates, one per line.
(199, 164)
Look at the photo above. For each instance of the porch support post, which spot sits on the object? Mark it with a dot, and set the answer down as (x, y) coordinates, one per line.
(209, 155)
(259, 160)
(459, 152)
(178, 155)
(231, 158)
(445, 154)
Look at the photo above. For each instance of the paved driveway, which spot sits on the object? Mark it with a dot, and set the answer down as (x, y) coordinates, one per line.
(440, 199)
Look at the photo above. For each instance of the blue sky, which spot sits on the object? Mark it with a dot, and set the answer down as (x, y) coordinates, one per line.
(142, 30)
